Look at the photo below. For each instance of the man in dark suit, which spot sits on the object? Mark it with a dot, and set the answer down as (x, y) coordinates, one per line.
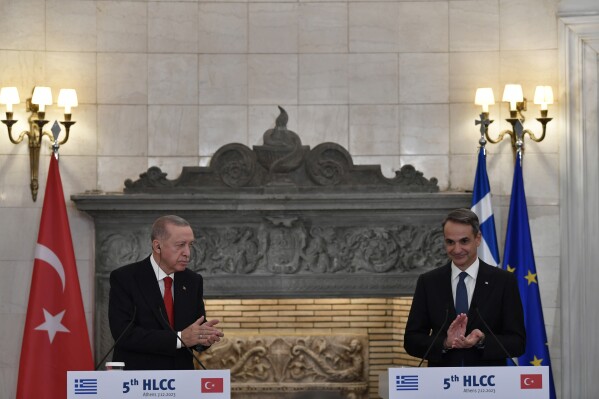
(157, 299)
(466, 293)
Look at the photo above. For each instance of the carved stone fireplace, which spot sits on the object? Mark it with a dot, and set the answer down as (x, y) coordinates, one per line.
(308, 259)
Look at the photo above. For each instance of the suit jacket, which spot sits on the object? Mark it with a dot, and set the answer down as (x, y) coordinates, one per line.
(150, 344)
(496, 299)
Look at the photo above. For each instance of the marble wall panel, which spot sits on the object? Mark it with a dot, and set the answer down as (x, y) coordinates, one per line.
(322, 123)
(473, 25)
(14, 181)
(373, 78)
(471, 70)
(272, 79)
(23, 25)
(27, 217)
(223, 79)
(273, 28)
(173, 130)
(72, 70)
(70, 26)
(374, 130)
(173, 79)
(528, 25)
(122, 78)
(423, 78)
(220, 125)
(373, 27)
(82, 135)
(172, 27)
(24, 70)
(323, 79)
(424, 129)
(122, 130)
(223, 28)
(423, 27)
(323, 27)
(530, 69)
(122, 26)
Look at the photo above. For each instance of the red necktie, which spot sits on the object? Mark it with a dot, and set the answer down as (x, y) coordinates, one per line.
(168, 300)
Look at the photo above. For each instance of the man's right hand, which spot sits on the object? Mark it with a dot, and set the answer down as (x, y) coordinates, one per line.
(201, 333)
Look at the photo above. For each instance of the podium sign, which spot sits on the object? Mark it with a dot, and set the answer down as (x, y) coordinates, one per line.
(469, 383)
(179, 384)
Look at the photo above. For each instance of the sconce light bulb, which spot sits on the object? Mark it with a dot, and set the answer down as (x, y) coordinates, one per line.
(512, 105)
(9, 107)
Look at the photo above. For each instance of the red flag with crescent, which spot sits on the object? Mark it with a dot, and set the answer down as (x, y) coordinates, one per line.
(55, 339)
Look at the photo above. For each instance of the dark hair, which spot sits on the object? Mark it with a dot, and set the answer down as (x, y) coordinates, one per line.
(463, 216)
(159, 227)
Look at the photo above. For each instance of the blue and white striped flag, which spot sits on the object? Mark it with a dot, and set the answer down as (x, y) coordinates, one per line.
(481, 205)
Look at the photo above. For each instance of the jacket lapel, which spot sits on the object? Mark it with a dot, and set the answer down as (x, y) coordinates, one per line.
(148, 286)
(483, 288)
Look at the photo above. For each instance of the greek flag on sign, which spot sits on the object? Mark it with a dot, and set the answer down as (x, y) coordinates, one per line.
(86, 386)
(406, 383)
(481, 205)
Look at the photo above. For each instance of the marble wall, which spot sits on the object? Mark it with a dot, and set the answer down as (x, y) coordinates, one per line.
(166, 83)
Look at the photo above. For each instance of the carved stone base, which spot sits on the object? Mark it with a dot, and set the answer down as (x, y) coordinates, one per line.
(280, 367)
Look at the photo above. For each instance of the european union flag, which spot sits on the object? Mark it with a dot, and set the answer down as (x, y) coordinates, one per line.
(518, 258)
(482, 206)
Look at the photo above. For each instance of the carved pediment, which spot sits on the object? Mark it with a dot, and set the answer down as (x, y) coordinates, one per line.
(282, 164)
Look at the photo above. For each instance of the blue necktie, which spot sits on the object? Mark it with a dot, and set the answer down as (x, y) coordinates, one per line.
(461, 295)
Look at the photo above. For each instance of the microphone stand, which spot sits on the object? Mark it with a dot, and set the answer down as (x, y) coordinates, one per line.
(180, 340)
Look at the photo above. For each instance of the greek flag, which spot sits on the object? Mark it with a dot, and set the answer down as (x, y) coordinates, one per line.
(481, 205)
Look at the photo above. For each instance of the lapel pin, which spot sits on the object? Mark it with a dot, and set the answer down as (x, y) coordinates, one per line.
(486, 282)
(184, 288)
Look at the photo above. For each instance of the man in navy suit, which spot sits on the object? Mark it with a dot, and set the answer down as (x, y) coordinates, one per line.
(139, 292)
(487, 294)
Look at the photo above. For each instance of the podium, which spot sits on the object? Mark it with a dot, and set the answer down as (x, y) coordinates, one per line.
(179, 384)
(524, 382)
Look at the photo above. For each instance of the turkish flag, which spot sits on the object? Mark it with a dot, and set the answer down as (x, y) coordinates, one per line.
(55, 339)
(212, 385)
(531, 381)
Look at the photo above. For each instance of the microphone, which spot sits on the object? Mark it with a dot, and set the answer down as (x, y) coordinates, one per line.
(118, 338)
(495, 337)
(436, 336)
(180, 340)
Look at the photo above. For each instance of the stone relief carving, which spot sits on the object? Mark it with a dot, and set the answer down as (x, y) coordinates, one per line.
(284, 246)
(282, 164)
(293, 362)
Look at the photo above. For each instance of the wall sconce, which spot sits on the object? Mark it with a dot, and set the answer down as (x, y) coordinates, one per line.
(513, 95)
(41, 97)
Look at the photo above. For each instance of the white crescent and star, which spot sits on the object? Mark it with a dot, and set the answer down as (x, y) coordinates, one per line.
(52, 323)
(532, 381)
(208, 385)
(47, 255)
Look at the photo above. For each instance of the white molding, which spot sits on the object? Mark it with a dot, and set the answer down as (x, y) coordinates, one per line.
(579, 199)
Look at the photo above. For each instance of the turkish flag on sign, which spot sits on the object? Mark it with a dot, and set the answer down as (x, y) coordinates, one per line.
(531, 381)
(212, 385)
(55, 339)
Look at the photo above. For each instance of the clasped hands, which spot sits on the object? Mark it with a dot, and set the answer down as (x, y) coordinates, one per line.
(202, 333)
(456, 334)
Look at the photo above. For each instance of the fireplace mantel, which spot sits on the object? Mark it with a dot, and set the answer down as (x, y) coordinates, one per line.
(280, 220)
